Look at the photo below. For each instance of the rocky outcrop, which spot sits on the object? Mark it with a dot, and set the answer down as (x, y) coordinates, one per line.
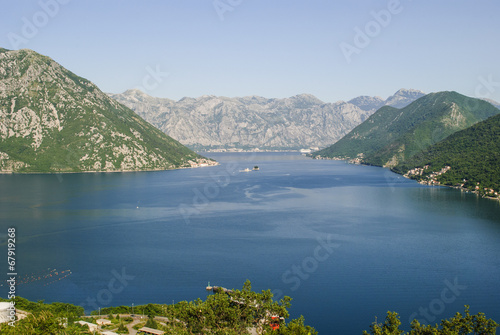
(403, 98)
(51, 120)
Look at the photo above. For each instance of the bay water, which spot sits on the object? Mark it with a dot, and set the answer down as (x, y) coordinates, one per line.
(348, 243)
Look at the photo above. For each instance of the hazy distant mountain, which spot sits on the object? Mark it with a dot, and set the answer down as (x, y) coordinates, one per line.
(493, 102)
(301, 121)
(403, 98)
(392, 135)
(368, 103)
(400, 99)
(51, 120)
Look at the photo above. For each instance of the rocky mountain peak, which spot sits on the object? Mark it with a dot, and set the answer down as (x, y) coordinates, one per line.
(408, 92)
(403, 98)
(135, 92)
(52, 120)
(367, 102)
(307, 98)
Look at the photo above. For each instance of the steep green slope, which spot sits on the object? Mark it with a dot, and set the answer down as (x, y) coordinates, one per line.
(469, 158)
(366, 138)
(393, 135)
(51, 120)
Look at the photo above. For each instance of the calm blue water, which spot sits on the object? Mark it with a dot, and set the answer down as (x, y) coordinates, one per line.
(347, 242)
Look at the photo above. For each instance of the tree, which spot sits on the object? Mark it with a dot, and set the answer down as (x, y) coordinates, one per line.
(39, 323)
(234, 311)
(297, 327)
(389, 327)
(457, 325)
(122, 328)
(151, 323)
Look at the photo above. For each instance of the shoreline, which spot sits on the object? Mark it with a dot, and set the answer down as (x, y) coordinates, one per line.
(431, 182)
(246, 151)
(202, 165)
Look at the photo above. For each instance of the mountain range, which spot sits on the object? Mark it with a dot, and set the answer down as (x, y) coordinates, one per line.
(393, 135)
(301, 121)
(52, 120)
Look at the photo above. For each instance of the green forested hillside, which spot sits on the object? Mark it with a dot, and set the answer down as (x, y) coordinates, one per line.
(52, 120)
(473, 156)
(391, 136)
(366, 138)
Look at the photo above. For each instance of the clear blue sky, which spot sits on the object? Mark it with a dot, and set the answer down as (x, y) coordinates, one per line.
(272, 48)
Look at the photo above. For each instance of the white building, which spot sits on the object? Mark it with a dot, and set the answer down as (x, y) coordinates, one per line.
(92, 326)
(103, 322)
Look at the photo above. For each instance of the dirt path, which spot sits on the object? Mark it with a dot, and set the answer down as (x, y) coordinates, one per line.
(131, 330)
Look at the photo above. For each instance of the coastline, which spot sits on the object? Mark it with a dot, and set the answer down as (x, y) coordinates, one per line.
(430, 182)
(206, 163)
(248, 151)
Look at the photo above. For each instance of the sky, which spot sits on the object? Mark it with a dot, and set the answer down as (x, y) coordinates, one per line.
(335, 50)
